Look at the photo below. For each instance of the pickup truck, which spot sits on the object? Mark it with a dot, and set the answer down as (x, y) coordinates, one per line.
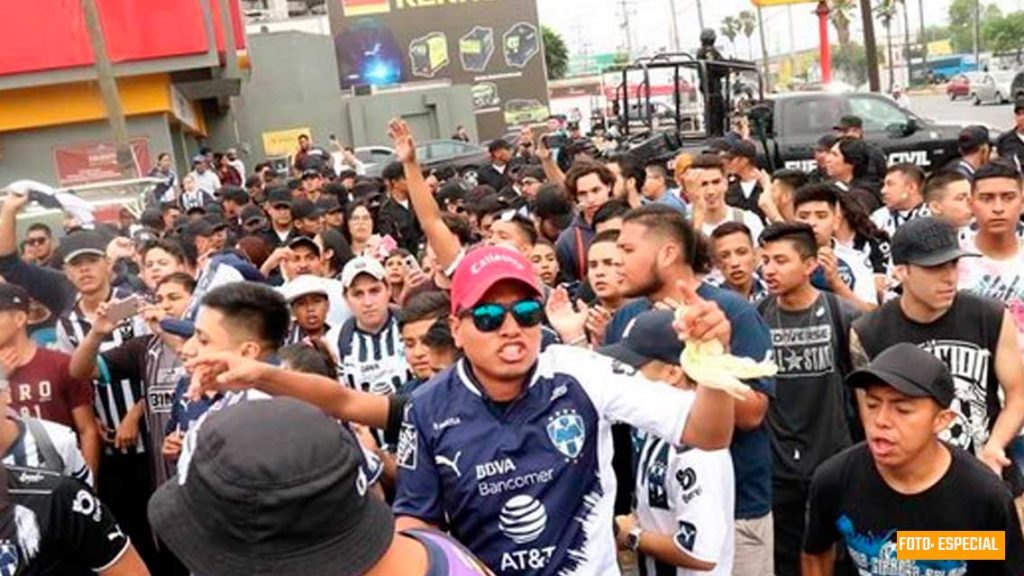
(796, 121)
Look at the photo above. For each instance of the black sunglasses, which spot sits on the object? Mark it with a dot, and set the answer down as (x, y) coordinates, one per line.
(489, 317)
(35, 241)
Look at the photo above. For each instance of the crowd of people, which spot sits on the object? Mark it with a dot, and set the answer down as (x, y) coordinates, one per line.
(319, 372)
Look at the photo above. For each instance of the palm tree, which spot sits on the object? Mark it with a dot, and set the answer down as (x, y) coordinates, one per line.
(886, 10)
(731, 29)
(748, 24)
(840, 16)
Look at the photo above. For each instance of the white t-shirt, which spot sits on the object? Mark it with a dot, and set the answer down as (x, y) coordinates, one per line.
(689, 494)
(856, 271)
(733, 214)
(1002, 280)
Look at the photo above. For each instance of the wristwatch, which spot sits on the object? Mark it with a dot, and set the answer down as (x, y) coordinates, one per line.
(633, 538)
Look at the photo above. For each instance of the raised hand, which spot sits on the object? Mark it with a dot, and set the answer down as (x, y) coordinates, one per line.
(568, 320)
(402, 141)
(703, 321)
(102, 323)
(14, 201)
(223, 371)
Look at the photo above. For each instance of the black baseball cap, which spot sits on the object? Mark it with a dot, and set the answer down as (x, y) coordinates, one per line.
(217, 221)
(250, 213)
(849, 121)
(305, 209)
(717, 146)
(910, 370)
(311, 173)
(13, 297)
(651, 337)
(304, 241)
(1018, 105)
(279, 195)
(927, 241)
(826, 142)
(200, 227)
(971, 138)
(273, 487)
(81, 243)
(328, 204)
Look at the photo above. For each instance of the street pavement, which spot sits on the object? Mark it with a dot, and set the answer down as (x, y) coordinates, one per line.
(938, 107)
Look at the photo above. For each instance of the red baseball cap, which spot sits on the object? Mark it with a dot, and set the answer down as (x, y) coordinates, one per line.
(482, 268)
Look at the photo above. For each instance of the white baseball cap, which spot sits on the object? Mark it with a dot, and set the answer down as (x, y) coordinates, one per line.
(361, 265)
(303, 286)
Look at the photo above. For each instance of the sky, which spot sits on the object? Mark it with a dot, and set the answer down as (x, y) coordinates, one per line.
(595, 26)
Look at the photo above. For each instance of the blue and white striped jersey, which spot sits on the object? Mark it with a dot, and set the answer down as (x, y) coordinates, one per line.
(528, 486)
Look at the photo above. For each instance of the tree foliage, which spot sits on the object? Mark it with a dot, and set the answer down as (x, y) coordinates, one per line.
(1005, 34)
(747, 25)
(840, 16)
(731, 29)
(556, 53)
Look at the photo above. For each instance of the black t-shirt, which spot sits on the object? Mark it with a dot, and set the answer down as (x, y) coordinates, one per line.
(807, 418)
(850, 501)
(54, 525)
(964, 339)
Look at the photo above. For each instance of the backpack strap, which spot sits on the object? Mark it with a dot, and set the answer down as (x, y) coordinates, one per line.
(51, 459)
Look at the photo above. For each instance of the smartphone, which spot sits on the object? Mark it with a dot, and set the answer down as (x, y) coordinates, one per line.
(412, 264)
(123, 309)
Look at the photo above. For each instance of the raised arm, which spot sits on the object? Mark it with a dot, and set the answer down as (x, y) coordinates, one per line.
(445, 243)
(223, 371)
(83, 359)
(49, 287)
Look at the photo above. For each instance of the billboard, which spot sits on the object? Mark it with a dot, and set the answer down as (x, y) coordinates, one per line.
(494, 46)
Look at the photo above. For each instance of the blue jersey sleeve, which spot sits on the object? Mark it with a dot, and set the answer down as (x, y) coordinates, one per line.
(418, 493)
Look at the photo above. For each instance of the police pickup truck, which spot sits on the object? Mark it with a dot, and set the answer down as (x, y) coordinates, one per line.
(792, 124)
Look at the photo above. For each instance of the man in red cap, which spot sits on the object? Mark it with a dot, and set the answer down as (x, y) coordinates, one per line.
(538, 494)
(511, 448)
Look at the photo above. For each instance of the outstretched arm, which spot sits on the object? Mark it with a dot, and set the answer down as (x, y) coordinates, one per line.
(224, 371)
(445, 243)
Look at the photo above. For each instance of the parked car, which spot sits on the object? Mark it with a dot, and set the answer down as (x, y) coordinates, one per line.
(463, 158)
(375, 155)
(959, 87)
(1017, 88)
(993, 87)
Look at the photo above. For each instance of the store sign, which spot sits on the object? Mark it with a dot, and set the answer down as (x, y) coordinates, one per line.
(90, 162)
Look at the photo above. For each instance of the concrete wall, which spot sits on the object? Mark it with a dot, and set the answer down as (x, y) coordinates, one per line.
(29, 153)
(294, 83)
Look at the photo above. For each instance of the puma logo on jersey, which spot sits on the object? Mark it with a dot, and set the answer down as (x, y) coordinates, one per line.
(450, 463)
(488, 469)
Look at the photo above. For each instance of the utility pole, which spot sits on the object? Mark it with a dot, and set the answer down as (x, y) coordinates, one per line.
(764, 51)
(108, 89)
(977, 33)
(675, 26)
(906, 42)
(867, 17)
(924, 34)
(625, 27)
(792, 31)
(700, 15)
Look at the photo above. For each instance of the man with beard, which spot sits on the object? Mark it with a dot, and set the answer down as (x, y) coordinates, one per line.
(659, 251)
